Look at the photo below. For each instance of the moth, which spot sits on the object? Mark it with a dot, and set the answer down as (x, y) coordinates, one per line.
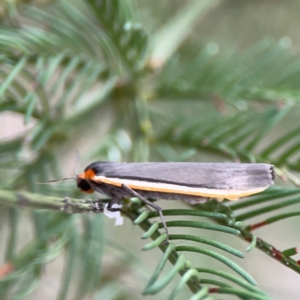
(186, 181)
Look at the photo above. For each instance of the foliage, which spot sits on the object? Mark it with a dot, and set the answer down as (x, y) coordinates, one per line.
(87, 75)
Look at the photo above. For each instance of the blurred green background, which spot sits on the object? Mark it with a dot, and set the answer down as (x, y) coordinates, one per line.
(83, 81)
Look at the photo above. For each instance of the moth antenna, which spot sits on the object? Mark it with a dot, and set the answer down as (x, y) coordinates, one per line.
(57, 180)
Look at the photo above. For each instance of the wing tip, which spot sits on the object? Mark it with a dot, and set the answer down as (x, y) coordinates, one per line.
(272, 172)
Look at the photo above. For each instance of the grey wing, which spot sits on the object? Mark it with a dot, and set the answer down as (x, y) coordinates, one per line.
(117, 194)
(227, 176)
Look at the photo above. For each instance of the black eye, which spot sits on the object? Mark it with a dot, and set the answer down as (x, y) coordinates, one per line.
(84, 185)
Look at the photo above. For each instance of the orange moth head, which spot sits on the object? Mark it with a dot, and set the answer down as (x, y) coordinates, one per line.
(83, 180)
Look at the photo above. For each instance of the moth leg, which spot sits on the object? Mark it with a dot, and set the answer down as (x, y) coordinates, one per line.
(149, 203)
(110, 208)
(114, 209)
(111, 203)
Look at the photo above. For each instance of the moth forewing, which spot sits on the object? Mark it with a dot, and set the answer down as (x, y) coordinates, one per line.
(203, 180)
(191, 182)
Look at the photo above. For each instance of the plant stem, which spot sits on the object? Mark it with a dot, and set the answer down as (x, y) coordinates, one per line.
(271, 251)
(30, 200)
